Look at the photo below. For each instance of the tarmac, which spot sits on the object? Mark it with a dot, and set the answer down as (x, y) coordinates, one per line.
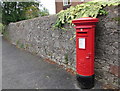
(23, 70)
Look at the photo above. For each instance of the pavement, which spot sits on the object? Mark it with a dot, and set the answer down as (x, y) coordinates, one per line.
(22, 70)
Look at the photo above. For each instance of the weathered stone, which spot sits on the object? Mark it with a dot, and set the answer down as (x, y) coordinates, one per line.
(114, 69)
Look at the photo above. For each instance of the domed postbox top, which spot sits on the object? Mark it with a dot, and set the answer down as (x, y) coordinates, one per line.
(85, 20)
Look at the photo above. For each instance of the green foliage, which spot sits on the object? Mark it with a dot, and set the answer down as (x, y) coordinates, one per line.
(26, 46)
(5, 33)
(19, 44)
(116, 19)
(66, 58)
(21, 10)
(16, 11)
(1, 28)
(0, 13)
(31, 12)
(44, 12)
(88, 9)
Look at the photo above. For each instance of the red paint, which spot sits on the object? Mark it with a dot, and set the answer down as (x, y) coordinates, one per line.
(85, 57)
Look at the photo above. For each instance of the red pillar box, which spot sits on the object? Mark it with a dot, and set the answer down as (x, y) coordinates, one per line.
(85, 32)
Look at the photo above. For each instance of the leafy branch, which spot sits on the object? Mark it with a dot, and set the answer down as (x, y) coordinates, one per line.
(88, 9)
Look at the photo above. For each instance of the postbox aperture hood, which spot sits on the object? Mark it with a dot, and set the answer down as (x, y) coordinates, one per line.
(85, 20)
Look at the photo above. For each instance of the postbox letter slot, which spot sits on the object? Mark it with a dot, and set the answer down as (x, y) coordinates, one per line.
(82, 32)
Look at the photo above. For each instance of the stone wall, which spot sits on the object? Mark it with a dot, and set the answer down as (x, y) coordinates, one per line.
(37, 36)
(106, 61)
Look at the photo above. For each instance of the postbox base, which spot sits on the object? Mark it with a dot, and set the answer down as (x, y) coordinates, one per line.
(85, 82)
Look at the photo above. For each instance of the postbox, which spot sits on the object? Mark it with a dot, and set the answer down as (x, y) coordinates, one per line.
(85, 36)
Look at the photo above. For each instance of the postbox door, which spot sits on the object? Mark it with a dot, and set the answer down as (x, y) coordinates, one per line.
(85, 50)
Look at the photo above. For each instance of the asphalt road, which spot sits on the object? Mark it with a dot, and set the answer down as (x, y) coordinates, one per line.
(22, 70)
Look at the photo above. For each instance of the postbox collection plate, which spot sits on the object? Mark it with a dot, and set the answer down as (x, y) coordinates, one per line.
(82, 43)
